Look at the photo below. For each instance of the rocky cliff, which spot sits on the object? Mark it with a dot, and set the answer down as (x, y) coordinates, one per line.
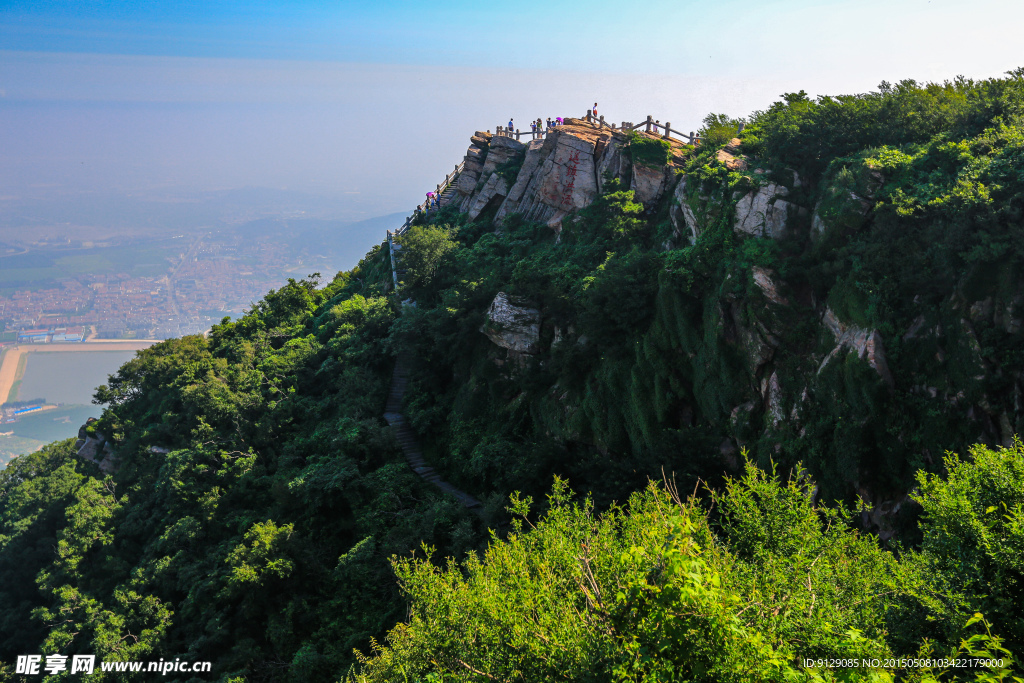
(93, 446)
(545, 180)
(825, 328)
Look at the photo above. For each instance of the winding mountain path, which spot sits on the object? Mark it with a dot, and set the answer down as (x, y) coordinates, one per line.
(407, 437)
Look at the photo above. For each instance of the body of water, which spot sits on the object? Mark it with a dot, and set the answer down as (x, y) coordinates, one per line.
(69, 378)
(52, 425)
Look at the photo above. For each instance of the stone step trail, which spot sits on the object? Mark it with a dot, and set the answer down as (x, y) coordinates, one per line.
(447, 195)
(407, 437)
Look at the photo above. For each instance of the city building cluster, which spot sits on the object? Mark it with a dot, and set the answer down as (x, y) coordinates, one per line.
(211, 279)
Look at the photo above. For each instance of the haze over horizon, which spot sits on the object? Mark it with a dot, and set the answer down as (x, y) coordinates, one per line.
(355, 111)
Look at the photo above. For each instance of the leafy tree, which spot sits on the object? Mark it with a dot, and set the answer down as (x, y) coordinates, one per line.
(973, 529)
(718, 129)
(659, 590)
(423, 250)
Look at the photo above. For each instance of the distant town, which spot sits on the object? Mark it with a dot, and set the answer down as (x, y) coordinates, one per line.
(180, 286)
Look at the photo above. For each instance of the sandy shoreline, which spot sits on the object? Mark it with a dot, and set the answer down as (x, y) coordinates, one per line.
(12, 355)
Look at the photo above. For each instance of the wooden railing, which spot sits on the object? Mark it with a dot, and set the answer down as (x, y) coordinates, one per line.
(424, 209)
(650, 126)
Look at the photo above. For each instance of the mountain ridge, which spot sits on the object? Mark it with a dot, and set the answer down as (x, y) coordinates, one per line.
(796, 324)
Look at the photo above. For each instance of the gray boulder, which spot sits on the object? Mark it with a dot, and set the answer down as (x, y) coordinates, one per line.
(763, 212)
(648, 183)
(512, 325)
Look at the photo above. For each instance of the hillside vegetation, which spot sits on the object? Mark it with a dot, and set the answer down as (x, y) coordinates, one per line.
(261, 514)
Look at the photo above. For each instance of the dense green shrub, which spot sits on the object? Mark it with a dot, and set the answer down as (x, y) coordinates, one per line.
(662, 590)
(718, 129)
(648, 151)
(807, 134)
(974, 531)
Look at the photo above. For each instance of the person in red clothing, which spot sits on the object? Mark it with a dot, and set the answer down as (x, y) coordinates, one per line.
(595, 110)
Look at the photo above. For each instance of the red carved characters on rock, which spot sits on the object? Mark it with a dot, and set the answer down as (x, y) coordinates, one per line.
(570, 173)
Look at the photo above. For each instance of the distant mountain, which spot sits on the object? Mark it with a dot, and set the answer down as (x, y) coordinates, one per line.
(158, 212)
(345, 242)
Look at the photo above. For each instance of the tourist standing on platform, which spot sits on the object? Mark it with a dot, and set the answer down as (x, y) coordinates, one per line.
(595, 110)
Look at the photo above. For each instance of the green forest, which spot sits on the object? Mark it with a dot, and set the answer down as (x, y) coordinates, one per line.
(643, 516)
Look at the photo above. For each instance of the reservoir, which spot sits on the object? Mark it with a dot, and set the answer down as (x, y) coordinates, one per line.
(69, 378)
(55, 376)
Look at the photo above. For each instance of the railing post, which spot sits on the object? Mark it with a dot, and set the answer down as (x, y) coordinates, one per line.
(668, 128)
(650, 122)
(691, 137)
(517, 135)
(601, 121)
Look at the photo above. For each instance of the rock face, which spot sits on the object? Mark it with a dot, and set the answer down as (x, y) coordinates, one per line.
(684, 221)
(613, 162)
(763, 279)
(772, 392)
(534, 156)
(95, 448)
(558, 175)
(867, 344)
(496, 186)
(649, 183)
(756, 341)
(473, 164)
(730, 156)
(511, 326)
(763, 212)
(501, 151)
(566, 180)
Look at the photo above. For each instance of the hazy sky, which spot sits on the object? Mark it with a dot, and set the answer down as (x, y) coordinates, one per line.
(370, 103)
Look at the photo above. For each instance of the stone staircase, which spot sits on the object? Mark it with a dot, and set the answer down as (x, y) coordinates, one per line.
(448, 192)
(407, 437)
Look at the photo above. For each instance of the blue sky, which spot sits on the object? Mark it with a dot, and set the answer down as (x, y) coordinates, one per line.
(369, 102)
(679, 36)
